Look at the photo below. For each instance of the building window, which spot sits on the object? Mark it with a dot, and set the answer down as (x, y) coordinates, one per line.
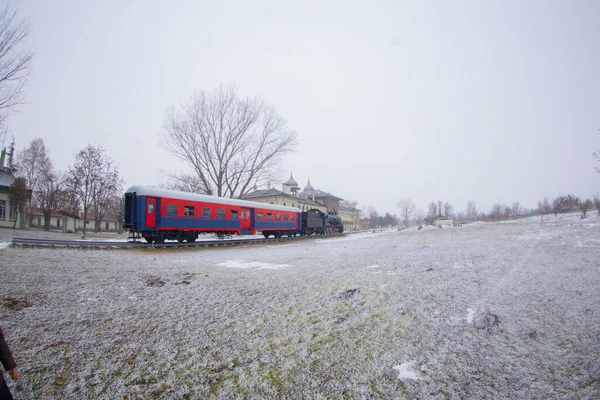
(220, 213)
(13, 213)
(206, 212)
(188, 211)
(259, 215)
(58, 222)
(39, 221)
(87, 222)
(2, 209)
(234, 214)
(284, 203)
(269, 217)
(106, 226)
(171, 209)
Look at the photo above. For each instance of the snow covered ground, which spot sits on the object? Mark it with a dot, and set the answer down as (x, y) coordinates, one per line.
(482, 311)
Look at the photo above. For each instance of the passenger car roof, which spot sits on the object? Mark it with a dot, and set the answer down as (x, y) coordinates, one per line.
(173, 194)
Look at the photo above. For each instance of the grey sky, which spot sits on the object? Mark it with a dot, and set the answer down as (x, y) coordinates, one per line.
(480, 100)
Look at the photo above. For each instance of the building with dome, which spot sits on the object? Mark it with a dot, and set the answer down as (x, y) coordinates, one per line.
(309, 198)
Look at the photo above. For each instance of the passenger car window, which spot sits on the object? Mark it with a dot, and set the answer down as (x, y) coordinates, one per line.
(188, 210)
(151, 208)
(285, 217)
(269, 216)
(234, 214)
(278, 217)
(171, 209)
(206, 212)
(259, 215)
(220, 213)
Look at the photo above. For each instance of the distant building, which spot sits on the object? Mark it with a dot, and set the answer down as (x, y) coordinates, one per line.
(444, 221)
(59, 220)
(109, 223)
(8, 213)
(307, 199)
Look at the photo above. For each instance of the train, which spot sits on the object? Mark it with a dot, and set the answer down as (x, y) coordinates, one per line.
(157, 215)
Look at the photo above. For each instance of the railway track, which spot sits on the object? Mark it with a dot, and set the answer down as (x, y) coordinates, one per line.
(37, 242)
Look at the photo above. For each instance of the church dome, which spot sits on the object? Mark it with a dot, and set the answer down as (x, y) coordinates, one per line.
(308, 187)
(292, 183)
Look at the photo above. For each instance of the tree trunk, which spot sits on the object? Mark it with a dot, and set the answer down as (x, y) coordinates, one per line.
(47, 217)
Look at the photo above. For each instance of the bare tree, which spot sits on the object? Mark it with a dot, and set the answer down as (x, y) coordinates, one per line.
(34, 164)
(516, 209)
(15, 64)
(371, 214)
(432, 212)
(440, 207)
(94, 180)
(48, 194)
(584, 206)
(544, 208)
(557, 204)
(496, 212)
(471, 210)
(117, 207)
(420, 217)
(189, 183)
(231, 144)
(407, 210)
(448, 209)
(108, 186)
(596, 201)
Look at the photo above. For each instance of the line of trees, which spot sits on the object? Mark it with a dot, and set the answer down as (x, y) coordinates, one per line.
(409, 213)
(92, 185)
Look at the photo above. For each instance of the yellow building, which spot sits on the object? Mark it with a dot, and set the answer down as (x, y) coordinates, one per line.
(307, 199)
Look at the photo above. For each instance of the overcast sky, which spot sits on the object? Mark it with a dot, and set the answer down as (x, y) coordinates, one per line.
(492, 101)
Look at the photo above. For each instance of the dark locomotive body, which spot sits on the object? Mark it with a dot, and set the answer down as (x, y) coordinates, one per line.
(316, 222)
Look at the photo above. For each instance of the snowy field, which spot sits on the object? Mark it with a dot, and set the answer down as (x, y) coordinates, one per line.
(502, 311)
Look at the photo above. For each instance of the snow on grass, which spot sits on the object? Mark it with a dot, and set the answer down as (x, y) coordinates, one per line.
(251, 264)
(470, 315)
(405, 371)
(520, 319)
(4, 245)
(373, 266)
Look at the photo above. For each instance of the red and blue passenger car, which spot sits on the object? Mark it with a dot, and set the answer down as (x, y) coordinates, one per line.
(160, 214)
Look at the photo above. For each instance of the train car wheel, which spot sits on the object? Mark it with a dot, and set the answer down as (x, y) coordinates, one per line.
(149, 239)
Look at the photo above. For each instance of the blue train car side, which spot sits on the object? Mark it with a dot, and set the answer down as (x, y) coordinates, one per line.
(160, 214)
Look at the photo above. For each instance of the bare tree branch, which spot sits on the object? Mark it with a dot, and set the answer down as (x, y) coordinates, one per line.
(15, 65)
(231, 144)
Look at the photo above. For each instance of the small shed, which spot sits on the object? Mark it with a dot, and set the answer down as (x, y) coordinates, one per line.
(444, 221)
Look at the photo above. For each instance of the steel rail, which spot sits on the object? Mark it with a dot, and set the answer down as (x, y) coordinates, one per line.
(36, 242)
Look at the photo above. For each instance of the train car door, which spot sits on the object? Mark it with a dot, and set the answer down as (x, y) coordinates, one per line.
(151, 212)
(245, 221)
